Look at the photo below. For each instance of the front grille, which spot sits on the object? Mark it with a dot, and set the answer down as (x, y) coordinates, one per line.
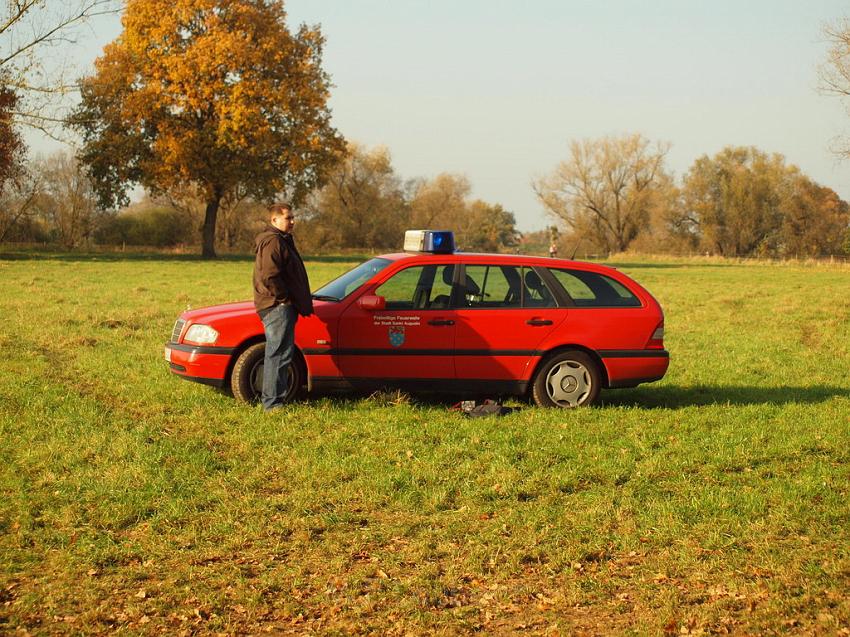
(178, 328)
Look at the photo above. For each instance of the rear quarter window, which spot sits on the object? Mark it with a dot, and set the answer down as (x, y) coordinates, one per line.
(591, 289)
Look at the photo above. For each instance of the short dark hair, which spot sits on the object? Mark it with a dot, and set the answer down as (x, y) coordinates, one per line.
(279, 207)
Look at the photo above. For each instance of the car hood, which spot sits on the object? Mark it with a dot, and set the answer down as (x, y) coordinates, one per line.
(227, 311)
(218, 312)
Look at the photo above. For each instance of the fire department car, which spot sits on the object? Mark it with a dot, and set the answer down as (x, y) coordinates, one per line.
(432, 318)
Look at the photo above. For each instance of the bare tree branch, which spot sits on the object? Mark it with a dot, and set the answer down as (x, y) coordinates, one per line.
(834, 73)
(17, 200)
(606, 189)
(28, 28)
(46, 23)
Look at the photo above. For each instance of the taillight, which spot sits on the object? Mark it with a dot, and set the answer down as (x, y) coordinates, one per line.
(656, 341)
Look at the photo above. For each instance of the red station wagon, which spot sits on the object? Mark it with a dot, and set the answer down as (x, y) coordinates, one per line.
(434, 319)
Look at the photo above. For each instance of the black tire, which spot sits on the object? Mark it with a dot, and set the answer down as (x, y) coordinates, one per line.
(568, 379)
(246, 379)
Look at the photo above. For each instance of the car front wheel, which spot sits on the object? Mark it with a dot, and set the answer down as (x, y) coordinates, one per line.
(246, 380)
(568, 379)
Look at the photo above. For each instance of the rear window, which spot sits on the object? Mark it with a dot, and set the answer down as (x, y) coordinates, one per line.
(591, 289)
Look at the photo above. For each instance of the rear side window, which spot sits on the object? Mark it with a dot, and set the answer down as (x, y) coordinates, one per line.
(503, 287)
(491, 286)
(591, 289)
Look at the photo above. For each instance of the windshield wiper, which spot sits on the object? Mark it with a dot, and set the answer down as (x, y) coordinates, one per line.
(325, 297)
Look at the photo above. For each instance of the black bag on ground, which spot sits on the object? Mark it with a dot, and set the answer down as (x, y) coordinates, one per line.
(487, 408)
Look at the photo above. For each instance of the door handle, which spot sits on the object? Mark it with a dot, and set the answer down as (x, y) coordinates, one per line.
(441, 322)
(538, 321)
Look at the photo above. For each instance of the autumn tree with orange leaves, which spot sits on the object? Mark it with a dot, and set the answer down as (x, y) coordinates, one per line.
(210, 95)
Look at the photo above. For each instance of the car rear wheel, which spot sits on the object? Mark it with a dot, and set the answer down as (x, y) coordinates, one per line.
(567, 379)
(246, 380)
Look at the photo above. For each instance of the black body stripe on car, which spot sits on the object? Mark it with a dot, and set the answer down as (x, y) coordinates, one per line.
(201, 349)
(633, 353)
(380, 351)
(354, 351)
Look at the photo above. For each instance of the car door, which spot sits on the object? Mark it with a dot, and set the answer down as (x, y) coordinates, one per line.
(503, 313)
(412, 337)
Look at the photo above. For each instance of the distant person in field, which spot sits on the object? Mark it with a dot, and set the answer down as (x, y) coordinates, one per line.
(281, 293)
(553, 250)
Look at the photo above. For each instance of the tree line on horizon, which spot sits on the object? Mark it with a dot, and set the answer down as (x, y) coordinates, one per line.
(216, 108)
(612, 195)
(615, 195)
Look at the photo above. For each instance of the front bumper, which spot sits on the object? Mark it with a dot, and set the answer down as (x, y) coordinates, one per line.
(201, 364)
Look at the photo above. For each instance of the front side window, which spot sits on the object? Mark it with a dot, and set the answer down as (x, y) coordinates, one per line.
(591, 289)
(426, 287)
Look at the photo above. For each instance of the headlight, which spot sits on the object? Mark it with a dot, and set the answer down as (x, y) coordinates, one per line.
(201, 334)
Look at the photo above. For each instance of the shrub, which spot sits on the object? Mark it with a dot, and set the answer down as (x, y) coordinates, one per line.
(156, 226)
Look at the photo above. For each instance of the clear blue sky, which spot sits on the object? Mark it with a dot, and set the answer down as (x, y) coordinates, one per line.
(496, 89)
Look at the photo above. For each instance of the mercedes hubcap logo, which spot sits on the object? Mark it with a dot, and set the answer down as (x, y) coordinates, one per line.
(569, 384)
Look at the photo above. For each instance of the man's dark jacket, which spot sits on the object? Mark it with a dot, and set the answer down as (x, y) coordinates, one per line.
(279, 273)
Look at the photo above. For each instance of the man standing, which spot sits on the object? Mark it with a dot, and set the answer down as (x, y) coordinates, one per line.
(281, 293)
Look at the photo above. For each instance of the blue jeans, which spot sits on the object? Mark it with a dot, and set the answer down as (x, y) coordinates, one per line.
(279, 324)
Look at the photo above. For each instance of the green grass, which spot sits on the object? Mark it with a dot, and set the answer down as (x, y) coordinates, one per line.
(134, 502)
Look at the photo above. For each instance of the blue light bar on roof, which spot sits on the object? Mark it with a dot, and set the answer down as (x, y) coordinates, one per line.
(437, 241)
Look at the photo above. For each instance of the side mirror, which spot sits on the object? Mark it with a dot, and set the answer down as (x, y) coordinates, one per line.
(372, 302)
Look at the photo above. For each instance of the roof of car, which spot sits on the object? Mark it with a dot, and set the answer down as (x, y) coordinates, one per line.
(519, 259)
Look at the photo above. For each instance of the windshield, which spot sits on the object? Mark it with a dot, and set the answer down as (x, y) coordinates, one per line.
(344, 285)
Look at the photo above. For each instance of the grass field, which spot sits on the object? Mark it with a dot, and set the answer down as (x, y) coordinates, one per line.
(715, 501)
